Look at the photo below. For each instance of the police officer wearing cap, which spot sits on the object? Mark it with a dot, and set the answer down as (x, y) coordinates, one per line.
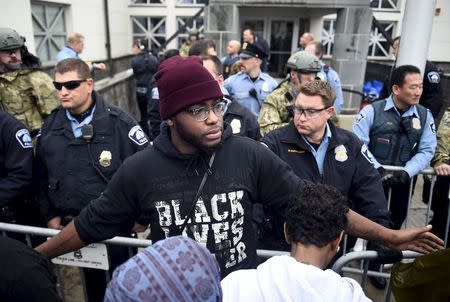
(80, 147)
(25, 91)
(278, 109)
(16, 155)
(250, 86)
(399, 132)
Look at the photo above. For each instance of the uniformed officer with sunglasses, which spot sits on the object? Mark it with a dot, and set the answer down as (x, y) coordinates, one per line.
(79, 148)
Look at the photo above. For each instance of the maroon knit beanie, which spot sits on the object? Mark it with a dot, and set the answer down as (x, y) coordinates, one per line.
(183, 82)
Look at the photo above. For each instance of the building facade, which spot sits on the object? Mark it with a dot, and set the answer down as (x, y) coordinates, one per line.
(344, 26)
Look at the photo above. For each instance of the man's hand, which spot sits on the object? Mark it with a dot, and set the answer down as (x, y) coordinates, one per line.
(138, 228)
(387, 177)
(442, 170)
(55, 223)
(402, 177)
(415, 239)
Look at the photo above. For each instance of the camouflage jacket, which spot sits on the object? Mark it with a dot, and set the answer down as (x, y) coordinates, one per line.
(184, 49)
(29, 95)
(442, 154)
(277, 109)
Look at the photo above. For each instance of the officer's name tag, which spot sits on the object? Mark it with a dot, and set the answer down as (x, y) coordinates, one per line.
(94, 255)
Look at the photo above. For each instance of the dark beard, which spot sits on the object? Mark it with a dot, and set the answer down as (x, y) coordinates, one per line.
(195, 141)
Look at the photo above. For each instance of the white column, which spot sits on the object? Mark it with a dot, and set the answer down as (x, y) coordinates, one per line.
(416, 33)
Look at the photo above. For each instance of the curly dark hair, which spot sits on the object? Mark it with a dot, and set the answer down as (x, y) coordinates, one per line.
(316, 215)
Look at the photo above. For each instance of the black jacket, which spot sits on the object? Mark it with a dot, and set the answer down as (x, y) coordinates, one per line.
(144, 66)
(354, 176)
(162, 183)
(242, 121)
(66, 178)
(27, 276)
(16, 160)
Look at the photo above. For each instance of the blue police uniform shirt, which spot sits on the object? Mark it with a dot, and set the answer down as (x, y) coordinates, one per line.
(427, 145)
(66, 53)
(333, 79)
(319, 154)
(240, 84)
(76, 126)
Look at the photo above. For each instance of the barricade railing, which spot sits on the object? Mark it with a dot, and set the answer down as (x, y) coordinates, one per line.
(341, 265)
(133, 243)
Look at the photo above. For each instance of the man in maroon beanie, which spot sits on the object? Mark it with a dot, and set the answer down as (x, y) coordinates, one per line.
(199, 180)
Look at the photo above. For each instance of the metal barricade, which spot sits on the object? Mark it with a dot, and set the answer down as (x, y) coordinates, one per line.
(341, 265)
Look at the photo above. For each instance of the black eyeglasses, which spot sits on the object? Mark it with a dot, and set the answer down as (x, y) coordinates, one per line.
(309, 113)
(69, 85)
(202, 113)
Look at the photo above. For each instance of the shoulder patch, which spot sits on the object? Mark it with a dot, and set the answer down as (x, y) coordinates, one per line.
(24, 138)
(434, 77)
(137, 135)
(360, 117)
(365, 152)
(433, 127)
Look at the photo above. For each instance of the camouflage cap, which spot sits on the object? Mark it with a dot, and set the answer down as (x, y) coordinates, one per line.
(303, 61)
(10, 39)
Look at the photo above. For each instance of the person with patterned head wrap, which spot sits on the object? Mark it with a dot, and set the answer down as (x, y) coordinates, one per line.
(174, 269)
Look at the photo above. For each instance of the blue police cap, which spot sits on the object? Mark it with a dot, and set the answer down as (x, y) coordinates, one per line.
(251, 50)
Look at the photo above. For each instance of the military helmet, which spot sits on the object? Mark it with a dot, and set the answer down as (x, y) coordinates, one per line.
(192, 32)
(10, 39)
(303, 61)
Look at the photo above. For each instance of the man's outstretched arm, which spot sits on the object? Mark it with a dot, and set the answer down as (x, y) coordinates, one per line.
(415, 239)
(66, 241)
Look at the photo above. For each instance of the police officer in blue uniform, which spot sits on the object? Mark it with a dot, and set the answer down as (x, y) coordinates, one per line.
(80, 147)
(251, 86)
(327, 74)
(399, 132)
(320, 152)
(16, 164)
(241, 120)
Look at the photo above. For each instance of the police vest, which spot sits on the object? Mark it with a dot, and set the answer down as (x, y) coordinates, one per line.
(394, 139)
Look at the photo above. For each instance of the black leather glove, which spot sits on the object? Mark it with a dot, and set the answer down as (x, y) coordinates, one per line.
(387, 177)
(402, 177)
(253, 93)
(385, 254)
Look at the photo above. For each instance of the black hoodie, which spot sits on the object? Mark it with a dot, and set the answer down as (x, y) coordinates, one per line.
(161, 183)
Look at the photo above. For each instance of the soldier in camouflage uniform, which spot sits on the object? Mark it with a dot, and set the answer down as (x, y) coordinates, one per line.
(25, 92)
(441, 165)
(277, 110)
(193, 36)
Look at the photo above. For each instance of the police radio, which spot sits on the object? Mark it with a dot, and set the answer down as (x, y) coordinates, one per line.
(87, 132)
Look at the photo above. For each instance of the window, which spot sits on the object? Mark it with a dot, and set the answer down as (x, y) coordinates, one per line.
(148, 2)
(190, 2)
(151, 28)
(197, 23)
(49, 29)
(327, 36)
(384, 4)
(378, 45)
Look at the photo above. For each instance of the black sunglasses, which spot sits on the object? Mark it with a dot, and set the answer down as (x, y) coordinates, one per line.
(70, 85)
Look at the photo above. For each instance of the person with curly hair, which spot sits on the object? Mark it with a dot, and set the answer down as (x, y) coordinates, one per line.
(315, 224)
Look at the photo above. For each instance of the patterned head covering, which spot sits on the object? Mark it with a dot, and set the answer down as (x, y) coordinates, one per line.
(174, 269)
